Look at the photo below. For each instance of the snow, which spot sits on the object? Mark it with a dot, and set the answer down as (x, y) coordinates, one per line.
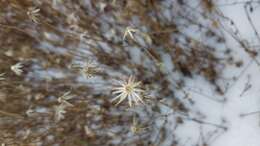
(241, 130)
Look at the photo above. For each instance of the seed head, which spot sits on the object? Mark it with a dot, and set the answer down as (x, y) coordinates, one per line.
(65, 97)
(2, 76)
(17, 68)
(130, 90)
(89, 69)
(33, 14)
(59, 112)
(129, 31)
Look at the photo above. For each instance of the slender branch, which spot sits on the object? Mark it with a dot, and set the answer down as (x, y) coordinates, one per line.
(249, 114)
(251, 21)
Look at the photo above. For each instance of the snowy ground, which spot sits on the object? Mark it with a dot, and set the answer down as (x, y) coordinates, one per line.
(242, 96)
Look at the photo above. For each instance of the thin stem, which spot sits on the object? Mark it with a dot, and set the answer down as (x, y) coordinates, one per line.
(11, 114)
(249, 114)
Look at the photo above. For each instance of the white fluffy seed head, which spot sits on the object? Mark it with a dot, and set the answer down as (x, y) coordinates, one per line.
(128, 90)
(17, 68)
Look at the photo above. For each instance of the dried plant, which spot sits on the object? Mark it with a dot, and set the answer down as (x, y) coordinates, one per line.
(129, 90)
(33, 14)
(2, 76)
(17, 68)
(145, 39)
